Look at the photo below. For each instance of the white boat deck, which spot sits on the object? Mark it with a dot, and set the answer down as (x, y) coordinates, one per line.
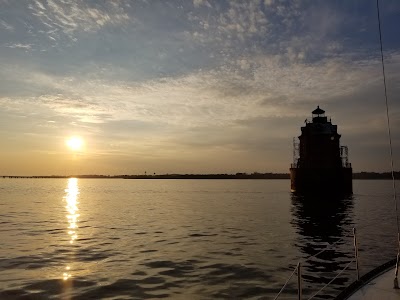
(380, 288)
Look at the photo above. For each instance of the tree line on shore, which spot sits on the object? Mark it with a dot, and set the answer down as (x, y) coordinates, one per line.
(255, 175)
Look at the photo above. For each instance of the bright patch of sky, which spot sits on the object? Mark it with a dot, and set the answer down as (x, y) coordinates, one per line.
(191, 87)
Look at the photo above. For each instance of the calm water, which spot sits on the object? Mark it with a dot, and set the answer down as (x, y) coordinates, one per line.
(183, 239)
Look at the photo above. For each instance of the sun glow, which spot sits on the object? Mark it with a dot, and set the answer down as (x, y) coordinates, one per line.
(75, 143)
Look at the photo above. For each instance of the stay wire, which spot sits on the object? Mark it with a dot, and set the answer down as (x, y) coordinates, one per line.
(333, 279)
(388, 118)
(327, 247)
(287, 281)
(396, 285)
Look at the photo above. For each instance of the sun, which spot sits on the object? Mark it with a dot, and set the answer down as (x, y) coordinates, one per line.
(75, 143)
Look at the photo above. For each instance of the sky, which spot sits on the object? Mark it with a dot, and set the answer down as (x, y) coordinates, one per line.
(194, 86)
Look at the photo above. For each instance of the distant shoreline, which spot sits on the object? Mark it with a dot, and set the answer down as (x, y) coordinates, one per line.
(359, 175)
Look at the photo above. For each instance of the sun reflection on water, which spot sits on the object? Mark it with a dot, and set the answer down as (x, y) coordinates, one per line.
(71, 198)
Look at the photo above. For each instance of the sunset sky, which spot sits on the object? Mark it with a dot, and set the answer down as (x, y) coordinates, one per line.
(194, 86)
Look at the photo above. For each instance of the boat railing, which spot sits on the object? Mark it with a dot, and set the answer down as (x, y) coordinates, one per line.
(346, 165)
(298, 270)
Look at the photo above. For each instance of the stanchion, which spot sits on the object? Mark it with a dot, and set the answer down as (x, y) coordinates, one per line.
(356, 254)
(299, 281)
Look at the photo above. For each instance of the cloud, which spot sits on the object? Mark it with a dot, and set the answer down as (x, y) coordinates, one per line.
(70, 17)
(198, 3)
(271, 88)
(6, 25)
(268, 2)
(20, 46)
(294, 30)
(229, 26)
(171, 81)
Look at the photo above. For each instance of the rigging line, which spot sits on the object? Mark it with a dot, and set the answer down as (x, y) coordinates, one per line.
(333, 279)
(287, 281)
(306, 260)
(396, 284)
(327, 247)
(388, 118)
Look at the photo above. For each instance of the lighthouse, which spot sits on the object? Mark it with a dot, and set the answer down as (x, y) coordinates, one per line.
(320, 163)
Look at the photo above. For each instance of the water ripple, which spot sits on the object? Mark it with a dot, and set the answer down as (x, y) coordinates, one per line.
(123, 239)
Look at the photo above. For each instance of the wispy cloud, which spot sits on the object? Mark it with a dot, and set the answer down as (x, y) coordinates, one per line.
(70, 17)
(230, 26)
(20, 46)
(207, 97)
(198, 3)
(6, 25)
(193, 81)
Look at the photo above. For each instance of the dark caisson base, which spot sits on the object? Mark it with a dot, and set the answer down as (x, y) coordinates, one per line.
(321, 180)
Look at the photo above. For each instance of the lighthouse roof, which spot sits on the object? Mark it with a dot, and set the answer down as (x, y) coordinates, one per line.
(318, 111)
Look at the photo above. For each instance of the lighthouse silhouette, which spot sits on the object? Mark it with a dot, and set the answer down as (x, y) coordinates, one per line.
(320, 163)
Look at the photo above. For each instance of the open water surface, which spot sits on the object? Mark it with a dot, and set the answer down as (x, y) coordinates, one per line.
(184, 239)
